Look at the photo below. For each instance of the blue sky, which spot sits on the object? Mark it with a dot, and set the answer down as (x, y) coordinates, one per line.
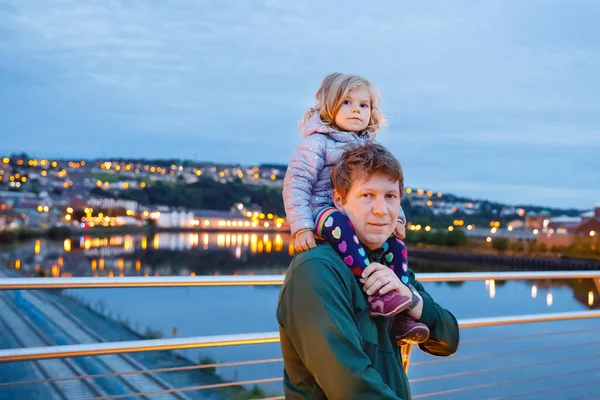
(494, 99)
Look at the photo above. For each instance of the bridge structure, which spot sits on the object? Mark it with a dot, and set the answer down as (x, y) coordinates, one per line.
(552, 355)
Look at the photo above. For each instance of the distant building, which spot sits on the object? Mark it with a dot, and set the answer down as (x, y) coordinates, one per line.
(563, 231)
(535, 220)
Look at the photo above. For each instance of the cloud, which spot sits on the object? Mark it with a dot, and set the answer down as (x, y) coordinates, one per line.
(166, 77)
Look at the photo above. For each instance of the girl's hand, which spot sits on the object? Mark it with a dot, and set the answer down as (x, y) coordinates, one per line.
(400, 230)
(305, 240)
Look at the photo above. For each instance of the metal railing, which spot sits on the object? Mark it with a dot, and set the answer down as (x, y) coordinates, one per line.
(262, 280)
(108, 348)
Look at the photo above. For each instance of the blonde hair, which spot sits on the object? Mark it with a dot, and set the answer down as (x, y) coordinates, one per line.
(332, 93)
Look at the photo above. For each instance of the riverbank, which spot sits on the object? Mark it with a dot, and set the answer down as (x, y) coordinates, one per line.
(506, 261)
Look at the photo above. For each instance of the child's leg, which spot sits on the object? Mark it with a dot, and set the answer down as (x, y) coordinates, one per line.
(336, 228)
(407, 329)
(396, 256)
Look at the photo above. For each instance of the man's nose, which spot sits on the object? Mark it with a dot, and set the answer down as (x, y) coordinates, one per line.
(379, 206)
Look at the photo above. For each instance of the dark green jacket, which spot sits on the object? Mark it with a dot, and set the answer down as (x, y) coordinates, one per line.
(331, 346)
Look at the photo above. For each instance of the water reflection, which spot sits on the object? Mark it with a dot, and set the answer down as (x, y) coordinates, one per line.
(159, 254)
(232, 253)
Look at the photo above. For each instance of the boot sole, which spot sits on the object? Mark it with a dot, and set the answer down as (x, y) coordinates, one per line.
(416, 335)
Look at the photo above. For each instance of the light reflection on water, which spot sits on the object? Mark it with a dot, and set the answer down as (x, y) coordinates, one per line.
(197, 253)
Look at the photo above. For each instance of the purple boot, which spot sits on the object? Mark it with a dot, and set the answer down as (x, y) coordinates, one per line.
(410, 331)
(388, 304)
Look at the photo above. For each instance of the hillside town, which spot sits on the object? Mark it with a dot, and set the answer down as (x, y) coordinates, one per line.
(39, 194)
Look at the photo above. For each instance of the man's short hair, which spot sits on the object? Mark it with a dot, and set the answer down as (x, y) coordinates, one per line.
(362, 163)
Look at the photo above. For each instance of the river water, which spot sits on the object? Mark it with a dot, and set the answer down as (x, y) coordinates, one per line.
(203, 311)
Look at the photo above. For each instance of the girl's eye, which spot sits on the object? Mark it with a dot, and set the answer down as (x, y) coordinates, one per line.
(346, 102)
(364, 105)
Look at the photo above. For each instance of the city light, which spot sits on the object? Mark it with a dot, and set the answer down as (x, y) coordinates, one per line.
(533, 291)
(592, 233)
(450, 228)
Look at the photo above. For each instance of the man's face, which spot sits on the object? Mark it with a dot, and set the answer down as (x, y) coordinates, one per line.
(372, 205)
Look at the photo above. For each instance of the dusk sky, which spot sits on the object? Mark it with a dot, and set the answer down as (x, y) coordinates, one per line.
(489, 99)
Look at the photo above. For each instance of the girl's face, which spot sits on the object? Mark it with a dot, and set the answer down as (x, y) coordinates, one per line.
(355, 113)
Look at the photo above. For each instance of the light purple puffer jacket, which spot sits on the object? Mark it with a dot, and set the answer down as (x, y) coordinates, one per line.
(307, 182)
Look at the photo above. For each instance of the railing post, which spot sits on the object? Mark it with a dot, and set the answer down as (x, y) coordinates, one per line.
(405, 351)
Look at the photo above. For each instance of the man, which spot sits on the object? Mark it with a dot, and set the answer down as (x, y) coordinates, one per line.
(332, 348)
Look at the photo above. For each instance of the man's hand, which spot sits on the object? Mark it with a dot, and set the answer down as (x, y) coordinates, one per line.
(400, 230)
(305, 240)
(379, 278)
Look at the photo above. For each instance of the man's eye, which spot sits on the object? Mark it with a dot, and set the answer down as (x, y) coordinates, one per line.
(392, 196)
(367, 195)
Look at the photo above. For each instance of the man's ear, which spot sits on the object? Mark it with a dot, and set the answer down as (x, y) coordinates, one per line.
(337, 199)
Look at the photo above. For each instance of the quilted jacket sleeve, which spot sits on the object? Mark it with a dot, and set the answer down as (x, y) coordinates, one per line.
(308, 159)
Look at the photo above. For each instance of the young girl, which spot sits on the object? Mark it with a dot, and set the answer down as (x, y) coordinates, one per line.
(345, 117)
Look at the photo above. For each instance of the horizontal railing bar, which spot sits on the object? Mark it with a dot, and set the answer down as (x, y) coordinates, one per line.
(76, 350)
(261, 280)
(532, 318)
(556, 389)
(507, 368)
(532, 335)
(191, 388)
(504, 383)
(142, 372)
(96, 349)
(505, 353)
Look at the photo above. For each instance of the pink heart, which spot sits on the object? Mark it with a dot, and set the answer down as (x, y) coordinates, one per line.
(404, 254)
(343, 246)
(348, 260)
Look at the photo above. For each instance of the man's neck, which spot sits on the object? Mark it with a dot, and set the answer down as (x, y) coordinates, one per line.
(375, 255)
